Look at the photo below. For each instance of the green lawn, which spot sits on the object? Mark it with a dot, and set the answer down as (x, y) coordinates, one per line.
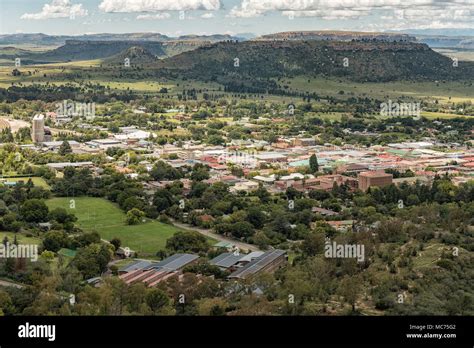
(445, 92)
(21, 238)
(40, 182)
(97, 214)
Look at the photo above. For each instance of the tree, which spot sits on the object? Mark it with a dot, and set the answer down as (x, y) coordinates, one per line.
(313, 244)
(242, 229)
(163, 171)
(92, 260)
(61, 215)
(134, 216)
(262, 194)
(65, 148)
(156, 299)
(34, 210)
(199, 173)
(256, 217)
(116, 243)
(313, 163)
(187, 241)
(349, 288)
(55, 240)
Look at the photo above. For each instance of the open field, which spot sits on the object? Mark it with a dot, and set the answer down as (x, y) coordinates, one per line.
(40, 182)
(20, 237)
(443, 91)
(434, 115)
(97, 214)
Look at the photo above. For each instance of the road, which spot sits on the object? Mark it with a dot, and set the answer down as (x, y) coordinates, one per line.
(208, 233)
(7, 283)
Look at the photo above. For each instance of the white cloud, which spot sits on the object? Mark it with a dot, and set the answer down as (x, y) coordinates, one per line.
(58, 9)
(428, 13)
(158, 5)
(208, 15)
(163, 15)
(326, 14)
(245, 13)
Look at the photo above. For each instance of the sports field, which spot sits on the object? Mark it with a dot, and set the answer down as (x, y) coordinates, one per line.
(97, 214)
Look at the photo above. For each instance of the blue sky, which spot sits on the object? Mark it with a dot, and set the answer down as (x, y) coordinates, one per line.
(74, 17)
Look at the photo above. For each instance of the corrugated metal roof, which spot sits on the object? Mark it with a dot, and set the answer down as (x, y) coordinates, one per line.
(226, 260)
(253, 255)
(175, 262)
(257, 264)
(136, 265)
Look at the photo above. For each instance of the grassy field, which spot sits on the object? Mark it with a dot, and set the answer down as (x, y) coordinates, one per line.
(443, 92)
(434, 115)
(40, 182)
(97, 214)
(20, 237)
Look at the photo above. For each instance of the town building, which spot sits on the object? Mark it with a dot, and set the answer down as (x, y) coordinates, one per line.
(38, 132)
(374, 178)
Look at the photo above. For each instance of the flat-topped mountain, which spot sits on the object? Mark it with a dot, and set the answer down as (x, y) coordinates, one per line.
(336, 36)
(59, 40)
(135, 55)
(86, 50)
(358, 61)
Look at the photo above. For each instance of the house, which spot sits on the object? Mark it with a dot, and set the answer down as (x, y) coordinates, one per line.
(324, 212)
(352, 168)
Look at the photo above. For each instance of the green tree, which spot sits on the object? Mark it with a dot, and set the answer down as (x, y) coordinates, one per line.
(55, 240)
(350, 288)
(65, 148)
(156, 299)
(134, 216)
(313, 163)
(187, 241)
(34, 210)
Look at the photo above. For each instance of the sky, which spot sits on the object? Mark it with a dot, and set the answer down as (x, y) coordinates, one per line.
(204, 17)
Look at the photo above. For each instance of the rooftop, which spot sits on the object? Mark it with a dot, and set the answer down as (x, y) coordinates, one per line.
(257, 264)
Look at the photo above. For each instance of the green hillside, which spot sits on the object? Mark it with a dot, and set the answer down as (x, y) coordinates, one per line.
(252, 63)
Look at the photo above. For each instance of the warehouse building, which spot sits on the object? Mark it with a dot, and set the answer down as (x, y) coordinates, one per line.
(268, 262)
(232, 261)
(151, 273)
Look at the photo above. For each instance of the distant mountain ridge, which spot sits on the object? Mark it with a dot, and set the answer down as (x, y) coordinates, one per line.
(75, 50)
(135, 55)
(336, 36)
(59, 40)
(438, 41)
